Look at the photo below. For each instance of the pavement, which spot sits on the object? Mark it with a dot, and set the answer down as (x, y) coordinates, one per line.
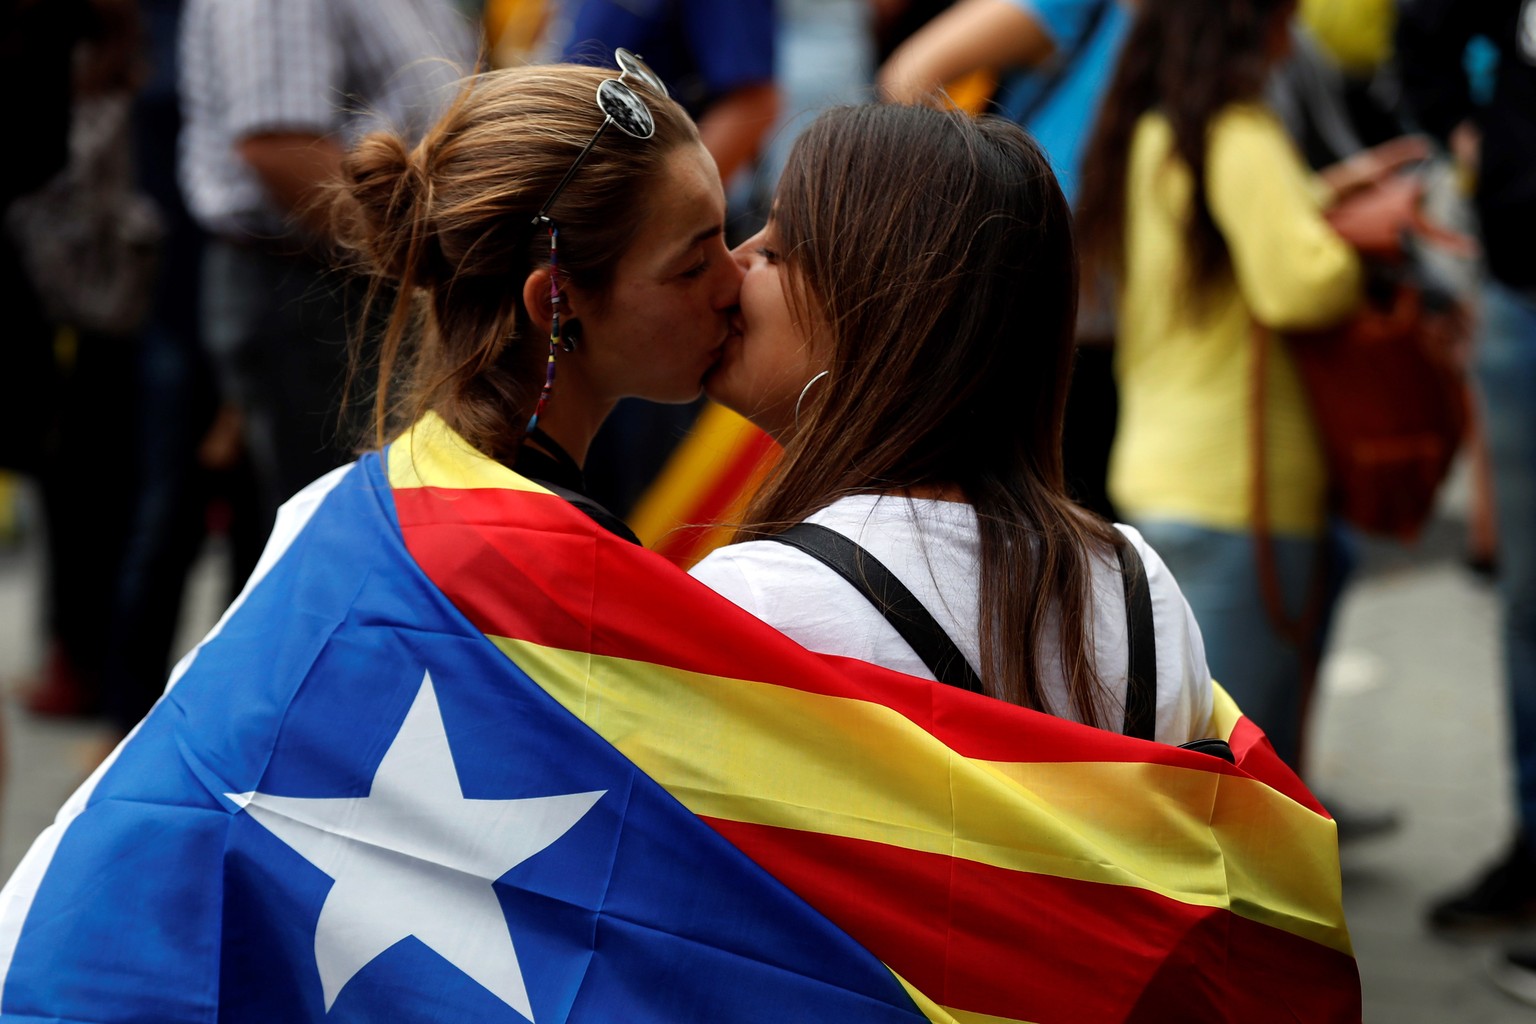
(1410, 717)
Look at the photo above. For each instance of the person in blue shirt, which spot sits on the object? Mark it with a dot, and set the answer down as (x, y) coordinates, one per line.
(716, 57)
(1054, 58)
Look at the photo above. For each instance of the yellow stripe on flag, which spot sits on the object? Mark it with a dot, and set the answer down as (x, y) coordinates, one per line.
(967, 1017)
(804, 765)
(1224, 713)
(948, 1014)
(430, 454)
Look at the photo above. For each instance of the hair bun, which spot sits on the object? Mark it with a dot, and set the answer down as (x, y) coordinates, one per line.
(383, 211)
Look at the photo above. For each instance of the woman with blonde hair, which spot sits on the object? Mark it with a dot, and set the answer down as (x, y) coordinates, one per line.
(545, 255)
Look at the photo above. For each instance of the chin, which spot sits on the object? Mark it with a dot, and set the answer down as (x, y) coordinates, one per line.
(712, 387)
(681, 396)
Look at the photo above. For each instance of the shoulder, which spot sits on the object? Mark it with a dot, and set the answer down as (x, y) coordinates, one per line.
(814, 605)
(1168, 605)
(756, 574)
(743, 572)
(1254, 171)
(773, 581)
(1158, 573)
(1246, 126)
(799, 596)
(1153, 134)
(1184, 691)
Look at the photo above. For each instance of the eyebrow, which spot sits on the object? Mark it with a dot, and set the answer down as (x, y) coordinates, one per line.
(702, 236)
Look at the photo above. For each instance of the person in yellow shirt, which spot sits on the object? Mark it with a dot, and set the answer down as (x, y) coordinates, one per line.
(1196, 200)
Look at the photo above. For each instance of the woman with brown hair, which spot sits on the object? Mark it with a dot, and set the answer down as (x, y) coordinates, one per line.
(1198, 203)
(906, 333)
(546, 254)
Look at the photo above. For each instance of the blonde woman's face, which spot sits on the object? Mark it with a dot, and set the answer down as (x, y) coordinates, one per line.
(667, 314)
(769, 358)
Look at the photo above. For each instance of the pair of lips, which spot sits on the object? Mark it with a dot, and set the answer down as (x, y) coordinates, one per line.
(736, 327)
(717, 354)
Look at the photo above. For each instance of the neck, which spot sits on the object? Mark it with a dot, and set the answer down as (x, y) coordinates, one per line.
(572, 425)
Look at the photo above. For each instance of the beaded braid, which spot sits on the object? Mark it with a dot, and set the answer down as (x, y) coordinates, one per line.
(554, 326)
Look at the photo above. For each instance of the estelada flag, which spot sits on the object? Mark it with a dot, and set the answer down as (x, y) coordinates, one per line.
(457, 754)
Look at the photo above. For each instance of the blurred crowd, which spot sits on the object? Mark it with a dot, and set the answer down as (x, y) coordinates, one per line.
(177, 332)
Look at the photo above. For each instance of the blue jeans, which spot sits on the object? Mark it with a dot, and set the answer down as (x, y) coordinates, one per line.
(1506, 370)
(1218, 572)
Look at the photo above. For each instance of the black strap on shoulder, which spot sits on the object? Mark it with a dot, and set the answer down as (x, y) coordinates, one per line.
(890, 597)
(592, 510)
(1141, 645)
(927, 638)
(1141, 658)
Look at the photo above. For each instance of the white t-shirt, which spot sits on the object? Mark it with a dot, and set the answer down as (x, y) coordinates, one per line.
(933, 547)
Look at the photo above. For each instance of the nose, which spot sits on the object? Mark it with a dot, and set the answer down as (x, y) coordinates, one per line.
(733, 271)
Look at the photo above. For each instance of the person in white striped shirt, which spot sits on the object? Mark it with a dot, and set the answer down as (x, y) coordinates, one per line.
(273, 93)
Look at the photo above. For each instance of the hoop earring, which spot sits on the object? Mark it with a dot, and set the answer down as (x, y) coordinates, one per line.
(803, 392)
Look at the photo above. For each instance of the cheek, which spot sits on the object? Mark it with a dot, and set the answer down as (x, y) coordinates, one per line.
(765, 307)
(775, 367)
(698, 324)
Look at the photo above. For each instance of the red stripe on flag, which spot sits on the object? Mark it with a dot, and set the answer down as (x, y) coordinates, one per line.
(557, 579)
(1039, 948)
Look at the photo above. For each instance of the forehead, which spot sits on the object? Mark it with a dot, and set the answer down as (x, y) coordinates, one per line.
(686, 199)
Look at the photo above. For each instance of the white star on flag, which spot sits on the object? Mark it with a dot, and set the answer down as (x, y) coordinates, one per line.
(414, 857)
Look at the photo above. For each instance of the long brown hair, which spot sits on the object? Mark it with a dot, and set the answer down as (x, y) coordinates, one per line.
(1187, 59)
(937, 250)
(445, 228)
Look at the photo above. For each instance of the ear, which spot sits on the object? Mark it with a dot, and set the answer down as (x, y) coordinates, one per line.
(536, 299)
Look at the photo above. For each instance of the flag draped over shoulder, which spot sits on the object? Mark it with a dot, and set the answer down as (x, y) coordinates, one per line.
(458, 754)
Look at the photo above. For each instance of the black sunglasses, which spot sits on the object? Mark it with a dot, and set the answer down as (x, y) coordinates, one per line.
(621, 106)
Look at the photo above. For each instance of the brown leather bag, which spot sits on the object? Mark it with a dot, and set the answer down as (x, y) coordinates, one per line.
(1388, 392)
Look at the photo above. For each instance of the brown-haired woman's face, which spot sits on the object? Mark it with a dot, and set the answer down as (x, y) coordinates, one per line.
(666, 315)
(768, 361)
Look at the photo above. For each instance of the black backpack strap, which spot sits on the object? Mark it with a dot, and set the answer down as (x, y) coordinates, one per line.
(592, 510)
(1141, 645)
(1141, 658)
(889, 596)
(880, 587)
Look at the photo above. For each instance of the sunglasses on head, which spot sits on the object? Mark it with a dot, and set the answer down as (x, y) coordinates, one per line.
(621, 106)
